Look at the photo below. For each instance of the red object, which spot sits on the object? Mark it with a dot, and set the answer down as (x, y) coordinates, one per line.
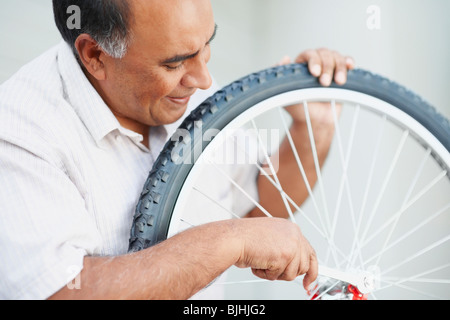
(316, 295)
(357, 295)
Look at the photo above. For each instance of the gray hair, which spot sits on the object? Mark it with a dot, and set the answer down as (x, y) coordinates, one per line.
(114, 43)
(106, 21)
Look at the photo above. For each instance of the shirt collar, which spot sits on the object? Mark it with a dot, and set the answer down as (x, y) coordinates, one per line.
(85, 100)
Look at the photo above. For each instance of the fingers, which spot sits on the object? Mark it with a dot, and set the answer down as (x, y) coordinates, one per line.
(303, 264)
(327, 65)
(340, 74)
(312, 273)
(275, 249)
(350, 63)
(314, 61)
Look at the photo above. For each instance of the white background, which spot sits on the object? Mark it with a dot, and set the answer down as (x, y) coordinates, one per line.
(412, 47)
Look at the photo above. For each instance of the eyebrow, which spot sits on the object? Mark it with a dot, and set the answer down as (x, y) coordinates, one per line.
(180, 58)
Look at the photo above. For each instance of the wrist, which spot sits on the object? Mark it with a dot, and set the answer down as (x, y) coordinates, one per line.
(235, 244)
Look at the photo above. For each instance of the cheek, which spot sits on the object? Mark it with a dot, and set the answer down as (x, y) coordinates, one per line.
(158, 87)
(160, 110)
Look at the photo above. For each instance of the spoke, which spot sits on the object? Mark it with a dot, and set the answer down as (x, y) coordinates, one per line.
(320, 181)
(426, 294)
(272, 169)
(407, 206)
(216, 203)
(337, 250)
(187, 222)
(417, 176)
(373, 165)
(385, 182)
(409, 233)
(418, 254)
(230, 179)
(345, 163)
(405, 201)
(417, 277)
(302, 170)
(427, 280)
(355, 253)
(317, 165)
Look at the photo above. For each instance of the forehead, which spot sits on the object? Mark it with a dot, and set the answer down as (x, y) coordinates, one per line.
(171, 25)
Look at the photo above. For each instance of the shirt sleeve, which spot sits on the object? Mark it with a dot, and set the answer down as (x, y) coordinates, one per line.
(45, 230)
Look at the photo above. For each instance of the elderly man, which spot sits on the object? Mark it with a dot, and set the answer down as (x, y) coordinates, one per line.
(79, 130)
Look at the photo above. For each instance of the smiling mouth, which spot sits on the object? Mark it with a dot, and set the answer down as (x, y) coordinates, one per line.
(181, 101)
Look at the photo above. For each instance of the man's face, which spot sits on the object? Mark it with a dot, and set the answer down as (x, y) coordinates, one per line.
(165, 63)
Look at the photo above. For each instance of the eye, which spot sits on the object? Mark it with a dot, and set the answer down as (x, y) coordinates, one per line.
(173, 67)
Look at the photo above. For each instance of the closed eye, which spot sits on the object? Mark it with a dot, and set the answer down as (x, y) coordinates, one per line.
(173, 68)
(176, 61)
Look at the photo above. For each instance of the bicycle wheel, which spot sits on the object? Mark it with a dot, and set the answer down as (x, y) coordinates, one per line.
(381, 201)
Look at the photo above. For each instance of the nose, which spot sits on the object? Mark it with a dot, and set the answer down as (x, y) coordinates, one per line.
(198, 76)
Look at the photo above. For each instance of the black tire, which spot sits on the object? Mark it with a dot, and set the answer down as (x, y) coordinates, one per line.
(154, 209)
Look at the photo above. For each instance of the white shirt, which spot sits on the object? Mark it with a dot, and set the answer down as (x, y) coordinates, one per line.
(70, 175)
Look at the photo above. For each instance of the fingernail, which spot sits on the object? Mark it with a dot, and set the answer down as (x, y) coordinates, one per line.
(316, 70)
(350, 62)
(312, 286)
(325, 79)
(340, 78)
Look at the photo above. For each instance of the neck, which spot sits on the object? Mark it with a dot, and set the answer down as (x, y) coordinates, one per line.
(137, 127)
(125, 122)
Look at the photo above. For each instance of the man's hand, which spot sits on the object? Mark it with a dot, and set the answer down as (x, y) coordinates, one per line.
(327, 65)
(282, 253)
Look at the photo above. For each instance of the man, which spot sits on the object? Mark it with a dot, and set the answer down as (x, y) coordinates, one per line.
(79, 129)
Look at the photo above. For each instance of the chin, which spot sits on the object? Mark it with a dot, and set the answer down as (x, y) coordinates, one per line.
(172, 115)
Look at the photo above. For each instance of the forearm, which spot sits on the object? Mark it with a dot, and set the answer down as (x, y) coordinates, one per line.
(174, 269)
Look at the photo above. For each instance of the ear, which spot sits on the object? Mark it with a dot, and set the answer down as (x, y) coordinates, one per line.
(91, 56)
